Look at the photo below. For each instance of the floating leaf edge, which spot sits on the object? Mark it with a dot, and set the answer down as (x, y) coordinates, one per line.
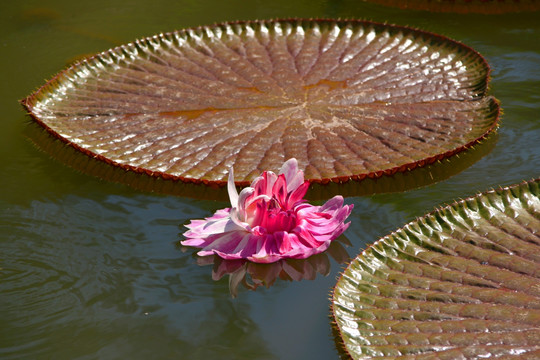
(531, 186)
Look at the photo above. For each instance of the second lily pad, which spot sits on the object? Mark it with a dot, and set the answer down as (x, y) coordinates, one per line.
(460, 283)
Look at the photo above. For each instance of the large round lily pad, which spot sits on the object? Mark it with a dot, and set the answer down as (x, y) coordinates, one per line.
(348, 99)
(461, 282)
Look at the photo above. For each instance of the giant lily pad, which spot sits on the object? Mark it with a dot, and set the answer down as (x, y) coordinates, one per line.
(461, 282)
(348, 99)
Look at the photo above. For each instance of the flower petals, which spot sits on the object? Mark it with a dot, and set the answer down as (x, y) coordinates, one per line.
(237, 221)
(242, 199)
(270, 221)
(294, 177)
(279, 190)
(297, 194)
(223, 243)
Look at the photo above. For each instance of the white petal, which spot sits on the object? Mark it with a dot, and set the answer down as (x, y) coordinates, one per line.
(289, 168)
(237, 221)
(241, 208)
(294, 177)
(231, 188)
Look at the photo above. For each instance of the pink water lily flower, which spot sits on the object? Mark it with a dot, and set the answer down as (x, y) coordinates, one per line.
(270, 220)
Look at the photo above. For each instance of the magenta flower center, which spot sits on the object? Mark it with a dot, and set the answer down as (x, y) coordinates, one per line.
(268, 216)
(278, 219)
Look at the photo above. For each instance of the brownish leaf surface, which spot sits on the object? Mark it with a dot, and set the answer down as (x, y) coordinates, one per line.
(461, 282)
(348, 99)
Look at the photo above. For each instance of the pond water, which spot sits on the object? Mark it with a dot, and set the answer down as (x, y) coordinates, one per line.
(91, 269)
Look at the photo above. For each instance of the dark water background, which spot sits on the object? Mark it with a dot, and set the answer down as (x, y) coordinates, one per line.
(90, 268)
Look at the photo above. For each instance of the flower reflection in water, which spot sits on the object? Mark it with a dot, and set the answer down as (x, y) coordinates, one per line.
(252, 275)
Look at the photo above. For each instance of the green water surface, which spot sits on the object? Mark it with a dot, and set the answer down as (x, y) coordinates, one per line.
(90, 269)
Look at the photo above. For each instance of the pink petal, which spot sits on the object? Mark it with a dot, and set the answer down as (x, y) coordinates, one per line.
(243, 246)
(297, 194)
(194, 242)
(218, 223)
(195, 223)
(222, 213)
(215, 227)
(279, 190)
(263, 184)
(270, 178)
(285, 241)
(222, 243)
(259, 185)
(243, 249)
(334, 203)
(306, 238)
(260, 213)
(265, 250)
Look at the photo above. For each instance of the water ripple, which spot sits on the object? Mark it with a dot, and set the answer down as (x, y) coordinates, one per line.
(78, 270)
